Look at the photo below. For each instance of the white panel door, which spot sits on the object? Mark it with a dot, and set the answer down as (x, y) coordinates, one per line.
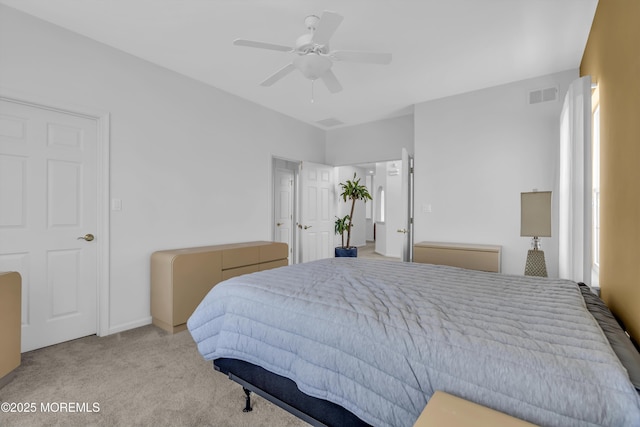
(48, 186)
(316, 225)
(283, 215)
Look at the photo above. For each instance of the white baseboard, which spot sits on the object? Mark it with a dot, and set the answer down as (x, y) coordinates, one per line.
(130, 325)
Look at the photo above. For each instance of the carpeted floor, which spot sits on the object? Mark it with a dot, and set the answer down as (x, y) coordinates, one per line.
(142, 377)
(369, 251)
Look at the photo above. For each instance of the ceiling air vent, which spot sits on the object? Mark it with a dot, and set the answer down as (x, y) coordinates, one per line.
(543, 95)
(330, 122)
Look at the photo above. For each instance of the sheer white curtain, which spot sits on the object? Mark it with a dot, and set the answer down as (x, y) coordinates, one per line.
(574, 183)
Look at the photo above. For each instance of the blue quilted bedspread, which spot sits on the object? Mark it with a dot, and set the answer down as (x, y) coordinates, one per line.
(379, 337)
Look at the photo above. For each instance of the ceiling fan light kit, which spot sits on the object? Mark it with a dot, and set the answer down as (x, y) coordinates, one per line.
(313, 57)
(312, 66)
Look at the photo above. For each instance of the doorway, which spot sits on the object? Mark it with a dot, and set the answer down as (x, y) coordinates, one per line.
(303, 209)
(377, 223)
(303, 205)
(285, 187)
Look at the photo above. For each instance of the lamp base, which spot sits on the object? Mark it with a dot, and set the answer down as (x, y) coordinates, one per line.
(535, 264)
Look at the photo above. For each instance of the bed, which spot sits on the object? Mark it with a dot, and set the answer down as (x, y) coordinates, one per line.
(374, 340)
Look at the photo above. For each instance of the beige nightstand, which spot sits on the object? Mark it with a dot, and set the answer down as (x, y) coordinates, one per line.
(446, 410)
(10, 324)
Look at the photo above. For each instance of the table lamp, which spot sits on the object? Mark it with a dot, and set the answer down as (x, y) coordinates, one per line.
(535, 222)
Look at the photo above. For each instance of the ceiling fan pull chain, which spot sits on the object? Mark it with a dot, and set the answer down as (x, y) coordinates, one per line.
(312, 82)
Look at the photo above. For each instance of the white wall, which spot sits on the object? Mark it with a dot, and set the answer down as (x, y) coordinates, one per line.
(191, 164)
(370, 142)
(475, 153)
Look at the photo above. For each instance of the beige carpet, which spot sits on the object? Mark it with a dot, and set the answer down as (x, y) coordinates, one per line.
(142, 377)
(369, 251)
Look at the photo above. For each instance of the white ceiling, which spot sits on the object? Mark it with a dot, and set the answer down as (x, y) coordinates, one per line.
(439, 47)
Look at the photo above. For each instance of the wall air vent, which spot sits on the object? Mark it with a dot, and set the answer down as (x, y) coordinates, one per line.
(330, 122)
(543, 95)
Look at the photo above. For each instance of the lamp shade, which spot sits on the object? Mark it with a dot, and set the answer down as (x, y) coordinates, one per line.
(535, 214)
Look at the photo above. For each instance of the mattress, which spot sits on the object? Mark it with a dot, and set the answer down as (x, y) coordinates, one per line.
(379, 337)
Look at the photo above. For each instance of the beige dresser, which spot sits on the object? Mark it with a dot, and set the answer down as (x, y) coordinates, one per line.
(465, 255)
(10, 324)
(180, 278)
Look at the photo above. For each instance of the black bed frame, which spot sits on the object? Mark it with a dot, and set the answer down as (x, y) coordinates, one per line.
(284, 393)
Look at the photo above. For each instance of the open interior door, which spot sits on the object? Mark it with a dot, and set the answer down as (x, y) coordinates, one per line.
(283, 230)
(407, 206)
(316, 221)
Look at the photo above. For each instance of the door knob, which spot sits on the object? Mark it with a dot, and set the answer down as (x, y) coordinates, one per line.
(402, 230)
(87, 237)
(307, 226)
(279, 223)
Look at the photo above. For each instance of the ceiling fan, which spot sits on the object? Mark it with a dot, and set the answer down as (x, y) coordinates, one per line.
(313, 56)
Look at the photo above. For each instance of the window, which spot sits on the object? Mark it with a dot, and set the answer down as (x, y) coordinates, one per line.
(380, 204)
(574, 184)
(369, 206)
(595, 185)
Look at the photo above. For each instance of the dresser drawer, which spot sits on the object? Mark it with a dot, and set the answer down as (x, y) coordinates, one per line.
(180, 278)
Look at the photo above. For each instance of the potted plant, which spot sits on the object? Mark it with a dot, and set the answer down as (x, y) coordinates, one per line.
(354, 191)
(340, 228)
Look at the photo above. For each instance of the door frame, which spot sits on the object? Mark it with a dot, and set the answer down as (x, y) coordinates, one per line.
(102, 191)
(293, 166)
(407, 190)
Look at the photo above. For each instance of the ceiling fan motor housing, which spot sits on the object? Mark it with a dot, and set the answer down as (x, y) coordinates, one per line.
(305, 44)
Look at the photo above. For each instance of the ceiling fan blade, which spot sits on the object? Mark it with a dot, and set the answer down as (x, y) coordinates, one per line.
(328, 24)
(278, 75)
(262, 45)
(331, 81)
(366, 57)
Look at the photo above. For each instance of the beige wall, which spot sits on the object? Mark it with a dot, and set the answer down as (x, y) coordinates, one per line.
(612, 58)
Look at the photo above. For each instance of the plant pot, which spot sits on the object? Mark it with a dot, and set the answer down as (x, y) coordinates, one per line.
(347, 252)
